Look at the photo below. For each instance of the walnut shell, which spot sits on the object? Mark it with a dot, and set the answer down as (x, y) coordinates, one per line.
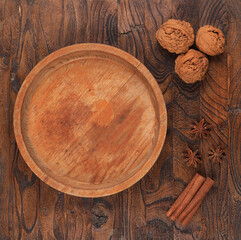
(210, 40)
(176, 36)
(192, 66)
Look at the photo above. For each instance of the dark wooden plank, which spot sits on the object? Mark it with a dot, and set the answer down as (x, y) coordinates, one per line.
(48, 38)
(185, 111)
(234, 118)
(37, 39)
(101, 28)
(131, 27)
(158, 184)
(102, 22)
(131, 31)
(234, 192)
(5, 148)
(78, 218)
(20, 214)
(214, 109)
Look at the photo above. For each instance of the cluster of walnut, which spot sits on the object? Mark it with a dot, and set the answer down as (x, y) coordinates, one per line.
(178, 36)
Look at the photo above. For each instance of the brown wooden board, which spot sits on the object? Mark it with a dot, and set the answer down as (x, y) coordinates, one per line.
(30, 209)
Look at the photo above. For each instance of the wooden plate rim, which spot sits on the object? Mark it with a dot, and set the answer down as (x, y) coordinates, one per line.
(107, 50)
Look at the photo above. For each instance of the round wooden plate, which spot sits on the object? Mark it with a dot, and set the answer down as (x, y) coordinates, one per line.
(90, 120)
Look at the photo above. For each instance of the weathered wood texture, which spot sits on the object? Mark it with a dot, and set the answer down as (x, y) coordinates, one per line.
(29, 209)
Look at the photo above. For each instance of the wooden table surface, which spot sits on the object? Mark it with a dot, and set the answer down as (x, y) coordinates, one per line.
(30, 209)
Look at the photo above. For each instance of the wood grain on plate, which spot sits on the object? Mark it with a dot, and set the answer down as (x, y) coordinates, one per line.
(90, 120)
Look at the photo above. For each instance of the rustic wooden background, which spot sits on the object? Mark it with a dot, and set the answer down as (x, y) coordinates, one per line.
(29, 209)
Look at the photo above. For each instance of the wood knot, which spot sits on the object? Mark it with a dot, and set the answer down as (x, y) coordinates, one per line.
(99, 217)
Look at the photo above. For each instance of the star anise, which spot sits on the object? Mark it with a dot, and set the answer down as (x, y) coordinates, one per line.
(200, 129)
(216, 155)
(192, 159)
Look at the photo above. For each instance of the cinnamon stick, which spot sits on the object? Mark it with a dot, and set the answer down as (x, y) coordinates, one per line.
(196, 185)
(196, 201)
(188, 218)
(185, 197)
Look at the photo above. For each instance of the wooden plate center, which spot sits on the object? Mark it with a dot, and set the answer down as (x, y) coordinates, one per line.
(91, 120)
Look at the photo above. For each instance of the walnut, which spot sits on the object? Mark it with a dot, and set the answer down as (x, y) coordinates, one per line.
(192, 66)
(210, 40)
(176, 36)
